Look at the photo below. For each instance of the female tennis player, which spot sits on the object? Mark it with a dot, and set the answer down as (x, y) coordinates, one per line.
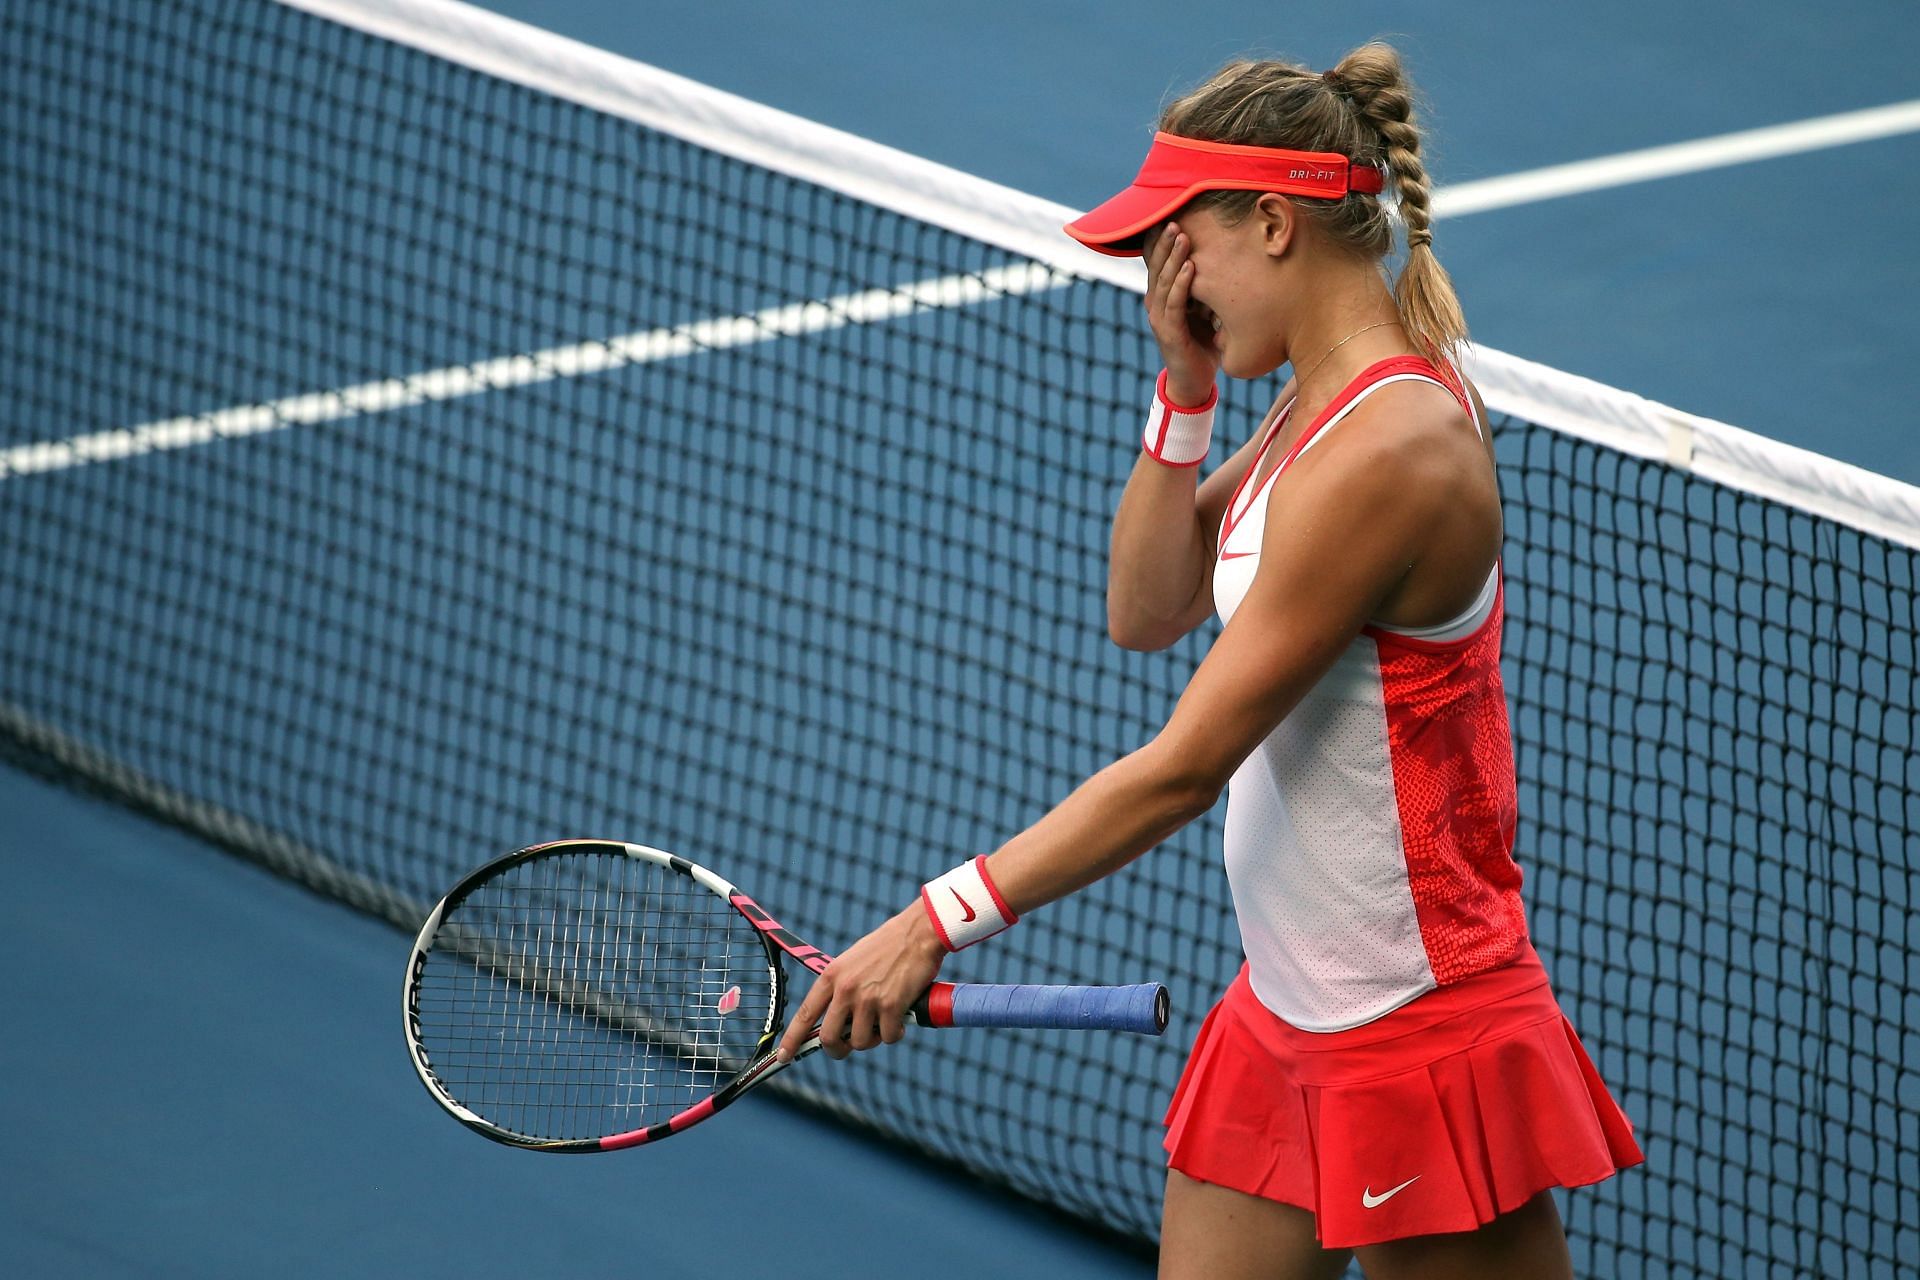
(1390, 1074)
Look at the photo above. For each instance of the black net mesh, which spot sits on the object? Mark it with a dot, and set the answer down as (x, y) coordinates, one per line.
(403, 466)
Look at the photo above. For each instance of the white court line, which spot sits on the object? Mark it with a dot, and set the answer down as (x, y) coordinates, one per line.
(1677, 158)
(874, 305)
(642, 347)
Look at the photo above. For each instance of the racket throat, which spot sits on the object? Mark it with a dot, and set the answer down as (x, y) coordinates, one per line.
(805, 952)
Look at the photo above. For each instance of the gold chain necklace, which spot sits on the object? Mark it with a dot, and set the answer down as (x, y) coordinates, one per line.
(1301, 384)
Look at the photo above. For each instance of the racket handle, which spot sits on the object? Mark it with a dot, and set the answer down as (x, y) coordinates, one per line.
(1142, 1008)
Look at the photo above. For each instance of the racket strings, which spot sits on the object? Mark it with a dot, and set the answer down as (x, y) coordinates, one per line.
(588, 994)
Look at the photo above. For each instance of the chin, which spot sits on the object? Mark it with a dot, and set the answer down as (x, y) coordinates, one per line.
(1246, 368)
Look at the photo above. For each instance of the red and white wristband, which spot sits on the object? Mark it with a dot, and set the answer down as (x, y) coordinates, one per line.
(1177, 436)
(964, 906)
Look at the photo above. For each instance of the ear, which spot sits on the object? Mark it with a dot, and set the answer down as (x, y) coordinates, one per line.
(1278, 221)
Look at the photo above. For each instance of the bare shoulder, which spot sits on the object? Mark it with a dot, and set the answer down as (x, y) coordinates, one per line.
(1411, 432)
(1408, 459)
(1403, 497)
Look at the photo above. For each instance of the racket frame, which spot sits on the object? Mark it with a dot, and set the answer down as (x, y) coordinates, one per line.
(773, 939)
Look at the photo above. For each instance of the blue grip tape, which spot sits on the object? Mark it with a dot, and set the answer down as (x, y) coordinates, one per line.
(1141, 1008)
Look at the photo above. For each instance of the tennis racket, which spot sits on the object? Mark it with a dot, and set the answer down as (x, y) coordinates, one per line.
(588, 995)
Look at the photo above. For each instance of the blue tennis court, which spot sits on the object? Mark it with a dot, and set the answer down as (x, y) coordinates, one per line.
(424, 442)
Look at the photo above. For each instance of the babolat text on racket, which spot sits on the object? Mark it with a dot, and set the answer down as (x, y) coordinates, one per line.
(589, 995)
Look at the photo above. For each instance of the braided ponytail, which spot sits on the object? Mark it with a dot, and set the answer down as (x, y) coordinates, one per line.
(1373, 79)
(1362, 109)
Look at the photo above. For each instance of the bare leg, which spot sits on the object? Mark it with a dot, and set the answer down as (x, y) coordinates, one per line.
(1213, 1233)
(1527, 1244)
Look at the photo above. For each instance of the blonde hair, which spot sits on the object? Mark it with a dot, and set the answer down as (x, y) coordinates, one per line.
(1362, 109)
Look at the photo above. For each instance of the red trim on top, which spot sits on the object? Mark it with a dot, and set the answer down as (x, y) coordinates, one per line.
(1362, 381)
(1006, 912)
(1227, 522)
(926, 900)
(1365, 379)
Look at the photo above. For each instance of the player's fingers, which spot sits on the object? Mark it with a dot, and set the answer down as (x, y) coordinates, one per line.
(833, 1030)
(893, 1026)
(804, 1018)
(1180, 289)
(1157, 247)
(1179, 303)
(865, 1031)
(1172, 263)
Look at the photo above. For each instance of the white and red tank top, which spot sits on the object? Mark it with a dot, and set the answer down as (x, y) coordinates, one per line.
(1369, 837)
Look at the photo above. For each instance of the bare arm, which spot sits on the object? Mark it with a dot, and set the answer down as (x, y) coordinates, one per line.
(1160, 558)
(1368, 504)
(1371, 508)
(1160, 555)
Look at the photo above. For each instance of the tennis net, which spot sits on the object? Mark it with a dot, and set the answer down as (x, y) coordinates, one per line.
(421, 436)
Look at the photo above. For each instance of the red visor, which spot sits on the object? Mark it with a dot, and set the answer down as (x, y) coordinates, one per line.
(1178, 169)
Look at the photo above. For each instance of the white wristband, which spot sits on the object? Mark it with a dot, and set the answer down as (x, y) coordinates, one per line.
(1176, 436)
(964, 906)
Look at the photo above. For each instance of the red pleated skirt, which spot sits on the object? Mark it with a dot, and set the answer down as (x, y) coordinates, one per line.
(1438, 1117)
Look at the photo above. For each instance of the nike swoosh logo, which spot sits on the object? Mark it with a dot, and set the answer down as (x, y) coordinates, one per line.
(963, 904)
(1235, 555)
(1373, 1201)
